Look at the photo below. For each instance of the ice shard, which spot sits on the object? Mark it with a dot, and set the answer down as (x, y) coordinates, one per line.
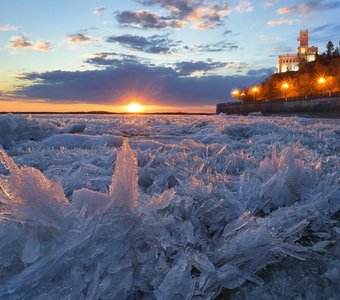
(124, 187)
(29, 195)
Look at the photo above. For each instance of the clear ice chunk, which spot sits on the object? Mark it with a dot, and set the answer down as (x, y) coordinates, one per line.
(30, 195)
(124, 186)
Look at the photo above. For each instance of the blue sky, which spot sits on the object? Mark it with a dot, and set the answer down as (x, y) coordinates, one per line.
(180, 53)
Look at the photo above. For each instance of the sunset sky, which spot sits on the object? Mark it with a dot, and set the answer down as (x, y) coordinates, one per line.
(168, 55)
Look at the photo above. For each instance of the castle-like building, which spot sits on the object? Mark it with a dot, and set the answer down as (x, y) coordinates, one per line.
(291, 62)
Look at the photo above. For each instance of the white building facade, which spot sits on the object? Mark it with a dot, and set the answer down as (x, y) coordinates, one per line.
(291, 62)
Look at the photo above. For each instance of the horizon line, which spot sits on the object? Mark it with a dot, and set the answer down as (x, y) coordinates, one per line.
(104, 113)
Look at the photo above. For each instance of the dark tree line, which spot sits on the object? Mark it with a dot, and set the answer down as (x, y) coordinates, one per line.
(331, 50)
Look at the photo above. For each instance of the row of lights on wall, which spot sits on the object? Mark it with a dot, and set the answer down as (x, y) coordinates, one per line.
(236, 93)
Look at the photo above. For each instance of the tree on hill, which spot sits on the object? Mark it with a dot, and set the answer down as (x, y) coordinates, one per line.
(329, 49)
(336, 52)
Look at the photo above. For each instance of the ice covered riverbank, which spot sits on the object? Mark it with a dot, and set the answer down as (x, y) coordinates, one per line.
(221, 199)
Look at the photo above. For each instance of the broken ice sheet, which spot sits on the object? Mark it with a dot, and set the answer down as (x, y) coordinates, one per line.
(193, 227)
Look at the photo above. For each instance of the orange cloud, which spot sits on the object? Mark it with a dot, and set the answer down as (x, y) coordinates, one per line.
(207, 17)
(42, 46)
(24, 42)
(302, 9)
(308, 7)
(78, 38)
(19, 41)
(201, 14)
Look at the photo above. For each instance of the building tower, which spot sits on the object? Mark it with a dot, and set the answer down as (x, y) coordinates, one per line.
(303, 48)
(305, 54)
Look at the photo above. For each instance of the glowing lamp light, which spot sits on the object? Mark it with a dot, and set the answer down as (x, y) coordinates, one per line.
(255, 89)
(285, 87)
(321, 80)
(235, 93)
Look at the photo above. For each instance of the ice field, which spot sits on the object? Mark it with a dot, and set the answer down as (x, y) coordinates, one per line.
(169, 207)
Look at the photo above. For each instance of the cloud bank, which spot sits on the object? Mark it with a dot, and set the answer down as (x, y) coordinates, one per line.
(155, 44)
(200, 14)
(125, 79)
(147, 20)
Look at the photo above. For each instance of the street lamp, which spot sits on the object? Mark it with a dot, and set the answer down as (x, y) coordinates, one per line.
(285, 87)
(321, 81)
(255, 89)
(242, 96)
(235, 93)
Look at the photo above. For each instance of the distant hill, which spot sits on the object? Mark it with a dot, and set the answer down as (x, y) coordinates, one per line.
(303, 83)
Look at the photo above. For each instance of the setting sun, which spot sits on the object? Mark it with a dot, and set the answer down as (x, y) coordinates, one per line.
(134, 108)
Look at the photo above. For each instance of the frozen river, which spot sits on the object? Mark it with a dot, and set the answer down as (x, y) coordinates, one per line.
(190, 207)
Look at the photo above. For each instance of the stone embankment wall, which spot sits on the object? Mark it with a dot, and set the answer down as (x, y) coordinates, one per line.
(309, 105)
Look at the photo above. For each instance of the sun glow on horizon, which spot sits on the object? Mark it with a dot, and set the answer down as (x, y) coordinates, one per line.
(134, 108)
